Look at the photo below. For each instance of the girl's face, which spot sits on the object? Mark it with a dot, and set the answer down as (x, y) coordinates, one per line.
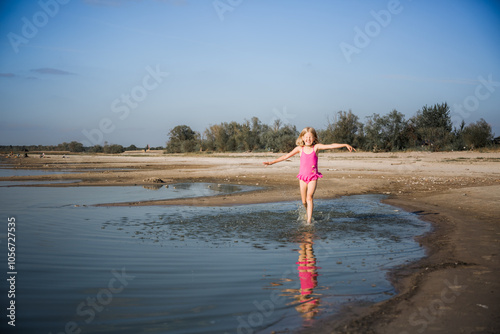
(308, 139)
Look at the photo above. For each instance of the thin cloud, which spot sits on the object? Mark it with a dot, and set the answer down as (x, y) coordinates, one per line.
(7, 75)
(48, 70)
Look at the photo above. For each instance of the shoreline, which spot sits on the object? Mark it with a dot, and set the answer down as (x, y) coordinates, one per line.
(453, 289)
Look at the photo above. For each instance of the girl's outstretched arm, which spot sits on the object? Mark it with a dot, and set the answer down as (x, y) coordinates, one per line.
(333, 146)
(284, 157)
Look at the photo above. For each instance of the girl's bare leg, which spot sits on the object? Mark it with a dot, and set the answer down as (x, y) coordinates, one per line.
(306, 193)
(303, 194)
(311, 188)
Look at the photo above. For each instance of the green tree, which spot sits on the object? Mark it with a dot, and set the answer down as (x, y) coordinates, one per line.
(373, 131)
(182, 139)
(286, 137)
(245, 137)
(477, 134)
(386, 133)
(279, 137)
(97, 149)
(216, 138)
(75, 146)
(131, 148)
(61, 147)
(113, 149)
(208, 142)
(256, 127)
(346, 128)
(458, 142)
(233, 131)
(434, 126)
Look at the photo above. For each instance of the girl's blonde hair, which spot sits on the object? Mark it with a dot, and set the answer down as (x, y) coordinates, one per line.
(300, 141)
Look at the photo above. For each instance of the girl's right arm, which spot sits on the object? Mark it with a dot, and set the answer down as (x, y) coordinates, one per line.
(284, 157)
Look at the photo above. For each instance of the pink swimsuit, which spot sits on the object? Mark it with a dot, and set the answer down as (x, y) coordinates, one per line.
(308, 167)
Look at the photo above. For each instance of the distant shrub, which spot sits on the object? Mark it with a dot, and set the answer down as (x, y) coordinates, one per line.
(113, 149)
(477, 134)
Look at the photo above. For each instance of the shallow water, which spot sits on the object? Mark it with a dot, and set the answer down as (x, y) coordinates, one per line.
(56, 197)
(241, 269)
(6, 172)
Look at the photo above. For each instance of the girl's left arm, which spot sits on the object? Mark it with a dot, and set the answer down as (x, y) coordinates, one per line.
(333, 146)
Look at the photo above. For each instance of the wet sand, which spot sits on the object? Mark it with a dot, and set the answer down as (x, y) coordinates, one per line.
(455, 289)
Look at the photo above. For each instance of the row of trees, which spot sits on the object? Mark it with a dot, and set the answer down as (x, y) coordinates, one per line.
(226, 137)
(73, 146)
(431, 127)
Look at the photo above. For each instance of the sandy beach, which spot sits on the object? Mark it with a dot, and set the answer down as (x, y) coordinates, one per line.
(455, 289)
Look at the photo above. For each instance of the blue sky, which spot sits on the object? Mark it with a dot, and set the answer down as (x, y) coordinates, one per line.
(128, 71)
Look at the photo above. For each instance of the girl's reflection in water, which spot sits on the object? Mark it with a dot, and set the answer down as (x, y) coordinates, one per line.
(307, 301)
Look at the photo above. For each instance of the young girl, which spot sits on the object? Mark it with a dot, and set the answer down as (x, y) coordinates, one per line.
(308, 146)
